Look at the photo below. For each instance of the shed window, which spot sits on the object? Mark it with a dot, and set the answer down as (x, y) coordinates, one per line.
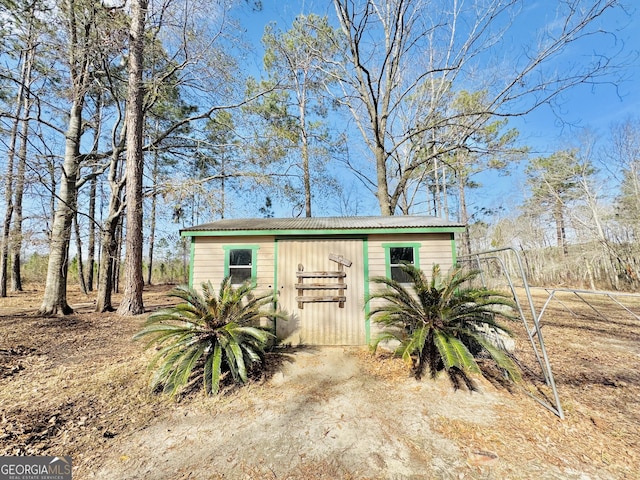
(240, 264)
(399, 254)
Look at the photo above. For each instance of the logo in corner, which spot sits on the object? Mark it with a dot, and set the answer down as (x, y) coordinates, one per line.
(35, 468)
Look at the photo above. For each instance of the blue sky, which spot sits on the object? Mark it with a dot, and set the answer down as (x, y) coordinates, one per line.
(594, 107)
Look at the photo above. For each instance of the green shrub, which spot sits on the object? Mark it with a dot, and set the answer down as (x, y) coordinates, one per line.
(208, 337)
(438, 325)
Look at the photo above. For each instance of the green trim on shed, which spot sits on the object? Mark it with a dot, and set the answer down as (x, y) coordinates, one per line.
(254, 259)
(276, 289)
(454, 253)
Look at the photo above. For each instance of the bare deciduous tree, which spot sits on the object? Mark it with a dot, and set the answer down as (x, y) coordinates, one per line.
(402, 48)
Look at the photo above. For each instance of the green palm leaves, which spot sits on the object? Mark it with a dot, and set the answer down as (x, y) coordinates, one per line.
(210, 335)
(438, 325)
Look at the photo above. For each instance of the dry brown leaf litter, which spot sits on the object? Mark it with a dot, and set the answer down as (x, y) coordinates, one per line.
(73, 385)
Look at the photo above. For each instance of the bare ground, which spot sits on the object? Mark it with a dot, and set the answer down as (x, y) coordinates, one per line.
(77, 386)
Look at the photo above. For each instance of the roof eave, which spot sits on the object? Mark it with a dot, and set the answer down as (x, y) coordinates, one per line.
(321, 232)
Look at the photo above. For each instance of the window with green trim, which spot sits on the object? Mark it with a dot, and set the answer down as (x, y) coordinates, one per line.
(240, 263)
(400, 254)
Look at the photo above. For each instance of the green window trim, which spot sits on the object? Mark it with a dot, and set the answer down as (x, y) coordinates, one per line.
(454, 252)
(254, 259)
(387, 254)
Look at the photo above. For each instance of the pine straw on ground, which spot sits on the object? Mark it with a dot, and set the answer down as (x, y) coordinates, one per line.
(69, 385)
(593, 349)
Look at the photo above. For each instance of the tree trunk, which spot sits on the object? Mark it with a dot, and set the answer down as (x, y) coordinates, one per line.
(6, 226)
(185, 263)
(81, 282)
(561, 236)
(445, 200)
(55, 293)
(109, 255)
(304, 150)
(437, 200)
(386, 208)
(117, 259)
(93, 185)
(464, 216)
(132, 299)
(22, 102)
(152, 227)
(8, 193)
(52, 199)
(91, 242)
(16, 230)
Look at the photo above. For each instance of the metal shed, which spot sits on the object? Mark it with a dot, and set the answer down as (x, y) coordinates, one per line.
(319, 267)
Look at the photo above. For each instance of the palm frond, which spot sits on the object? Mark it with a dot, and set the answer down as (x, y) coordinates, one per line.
(438, 322)
(216, 331)
(502, 358)
(213, 373)
(454, 353)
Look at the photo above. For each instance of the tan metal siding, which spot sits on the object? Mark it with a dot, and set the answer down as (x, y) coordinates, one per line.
(209, 259)
(321, 323)
(435, 248)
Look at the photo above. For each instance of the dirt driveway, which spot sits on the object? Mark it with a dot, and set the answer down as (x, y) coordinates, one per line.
(320, 412)
(323, 414)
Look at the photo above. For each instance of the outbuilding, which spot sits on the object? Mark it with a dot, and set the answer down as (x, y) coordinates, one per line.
(319, 268)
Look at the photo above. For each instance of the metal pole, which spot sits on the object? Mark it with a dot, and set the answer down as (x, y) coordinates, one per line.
(545, 364)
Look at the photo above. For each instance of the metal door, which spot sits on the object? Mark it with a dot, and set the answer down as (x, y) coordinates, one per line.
(318, 315)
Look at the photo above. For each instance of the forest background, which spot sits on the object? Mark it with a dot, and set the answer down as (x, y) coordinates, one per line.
(122, 122)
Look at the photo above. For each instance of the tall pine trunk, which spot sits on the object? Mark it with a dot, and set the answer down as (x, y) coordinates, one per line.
(464, 215)
(306, 172)
(132, 303)
(81, 282)
(91, 242)
(109, 255)
(152, 227)
(12, 236)
(93, 185)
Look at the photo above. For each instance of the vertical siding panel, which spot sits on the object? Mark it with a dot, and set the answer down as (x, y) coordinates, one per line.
(321, 323)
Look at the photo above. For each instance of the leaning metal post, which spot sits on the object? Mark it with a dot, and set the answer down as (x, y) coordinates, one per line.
(519, 307)
(623, 306)
(545, 365)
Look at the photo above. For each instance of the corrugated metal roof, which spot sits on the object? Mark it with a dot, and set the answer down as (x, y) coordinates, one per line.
(325, 223)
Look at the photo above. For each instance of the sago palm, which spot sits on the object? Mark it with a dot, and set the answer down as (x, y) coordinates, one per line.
(209, 335)
(438, 324)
